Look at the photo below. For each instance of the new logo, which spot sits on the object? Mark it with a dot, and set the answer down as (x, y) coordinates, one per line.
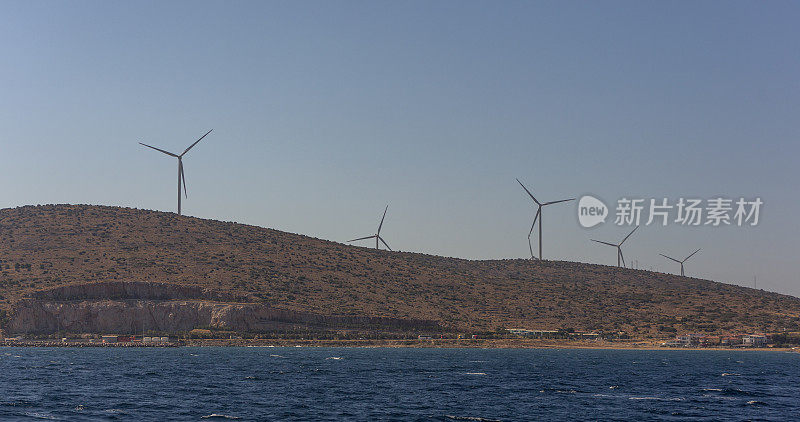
(591, 211)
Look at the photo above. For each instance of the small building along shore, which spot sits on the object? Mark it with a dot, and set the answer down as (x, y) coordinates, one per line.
(555, 334)
(733, 341)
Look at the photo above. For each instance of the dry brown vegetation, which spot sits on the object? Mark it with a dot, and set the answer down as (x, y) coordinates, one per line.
(46, 246)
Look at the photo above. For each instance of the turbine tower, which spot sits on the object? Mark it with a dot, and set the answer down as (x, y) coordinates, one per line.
(620, 258)
(377, 235)
(681, 262)
(539, 218)
(181, 177)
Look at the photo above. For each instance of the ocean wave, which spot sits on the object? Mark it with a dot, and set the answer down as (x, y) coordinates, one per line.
(755, 403)
(558, 390)
(219, 416)
(37, 415)
(474, 373)
(737, 392)
(470, 418)
(657, 398)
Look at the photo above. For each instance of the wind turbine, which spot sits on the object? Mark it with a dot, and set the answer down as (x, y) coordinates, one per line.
(619, 247)
(181, 177)
(539, 218)
(377, 235)
(684, 260)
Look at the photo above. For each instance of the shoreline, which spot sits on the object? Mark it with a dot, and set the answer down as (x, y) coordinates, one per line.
(413, 344)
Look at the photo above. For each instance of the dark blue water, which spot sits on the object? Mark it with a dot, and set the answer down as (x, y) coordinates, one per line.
(396, 384)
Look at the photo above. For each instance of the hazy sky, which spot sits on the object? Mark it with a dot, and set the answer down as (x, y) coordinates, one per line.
(324, 112)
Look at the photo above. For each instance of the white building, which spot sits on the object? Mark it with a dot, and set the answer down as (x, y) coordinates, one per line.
(688, 340)
(754, 340)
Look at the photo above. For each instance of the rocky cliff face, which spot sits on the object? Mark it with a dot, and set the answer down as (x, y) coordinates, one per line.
(121, 290)
(130, 308)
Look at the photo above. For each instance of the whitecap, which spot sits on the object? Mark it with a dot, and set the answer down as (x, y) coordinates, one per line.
(219, 416)
(474, 373)
(333, 358)
(470, 418)
(37, 415)
(656, 398)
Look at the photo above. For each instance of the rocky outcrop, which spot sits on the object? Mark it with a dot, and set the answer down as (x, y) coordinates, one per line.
(123, 290)
(173, 316)
(136, 307)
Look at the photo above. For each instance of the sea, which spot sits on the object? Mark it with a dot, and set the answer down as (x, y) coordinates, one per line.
(405, 384)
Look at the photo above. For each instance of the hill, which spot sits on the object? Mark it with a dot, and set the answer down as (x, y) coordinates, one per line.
(44, 248)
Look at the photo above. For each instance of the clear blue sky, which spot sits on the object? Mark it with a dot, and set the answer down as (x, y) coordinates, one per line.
(323, 112)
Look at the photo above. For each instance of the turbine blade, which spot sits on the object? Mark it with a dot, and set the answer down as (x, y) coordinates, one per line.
(530, 246)
(555, 202)
(624, 265)
(382, 218)
(183, 178)
(670, 258)
(363, 238)
(195, 143)
(529, 193)
(629, 235)
(384, 243)
(698, 250)
(605, 243)
(534, 222)
(159, 149)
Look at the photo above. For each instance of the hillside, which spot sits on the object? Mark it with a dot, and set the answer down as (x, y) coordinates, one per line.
(45, 247)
